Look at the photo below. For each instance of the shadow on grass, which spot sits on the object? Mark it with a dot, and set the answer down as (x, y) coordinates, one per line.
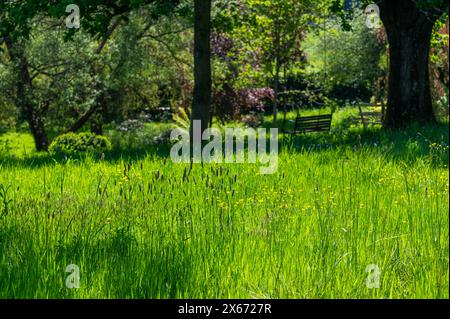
(38, 160)
(115, 266)
(407, 144)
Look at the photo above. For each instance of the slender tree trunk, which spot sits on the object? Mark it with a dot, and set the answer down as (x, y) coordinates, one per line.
(82, 120)
(276, 90)
(97, 110)
(25, 102)
(201, 106)
(409, 33)
(94, 115)
(277, 71)
(285, 97)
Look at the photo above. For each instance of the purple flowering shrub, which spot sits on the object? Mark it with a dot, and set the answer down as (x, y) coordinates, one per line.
(230, 104)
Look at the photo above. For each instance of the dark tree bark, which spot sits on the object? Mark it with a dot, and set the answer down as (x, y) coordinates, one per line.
(82, 120)
(409, 30)
(201, 106)
(31, 113)
(94, 115)
(97, 124)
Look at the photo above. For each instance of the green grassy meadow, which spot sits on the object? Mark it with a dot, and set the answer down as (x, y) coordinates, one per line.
(140, 226)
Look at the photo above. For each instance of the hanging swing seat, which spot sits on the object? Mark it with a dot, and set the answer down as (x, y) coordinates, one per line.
(310, 124)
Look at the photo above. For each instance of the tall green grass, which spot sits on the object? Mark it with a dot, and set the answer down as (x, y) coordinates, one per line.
(144, 227)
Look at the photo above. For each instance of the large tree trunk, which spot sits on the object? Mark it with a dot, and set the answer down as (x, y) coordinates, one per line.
(409, 33)
(25, 102)
(201, 106)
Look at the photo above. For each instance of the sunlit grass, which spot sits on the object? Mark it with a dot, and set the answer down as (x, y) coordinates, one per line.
(144, 227)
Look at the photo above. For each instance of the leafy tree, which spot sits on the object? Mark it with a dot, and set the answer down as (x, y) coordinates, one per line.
(409, 26)
(100, 18)
(273, 31)
(439, 67)
(347, 63)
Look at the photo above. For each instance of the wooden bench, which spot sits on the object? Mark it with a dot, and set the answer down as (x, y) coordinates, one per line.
(372, 117)
(314, 123)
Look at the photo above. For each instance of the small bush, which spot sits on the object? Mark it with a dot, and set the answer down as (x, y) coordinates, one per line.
(75, 144)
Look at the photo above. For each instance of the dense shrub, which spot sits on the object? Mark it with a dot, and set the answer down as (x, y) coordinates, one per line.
(75, 144)
(230, 104)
